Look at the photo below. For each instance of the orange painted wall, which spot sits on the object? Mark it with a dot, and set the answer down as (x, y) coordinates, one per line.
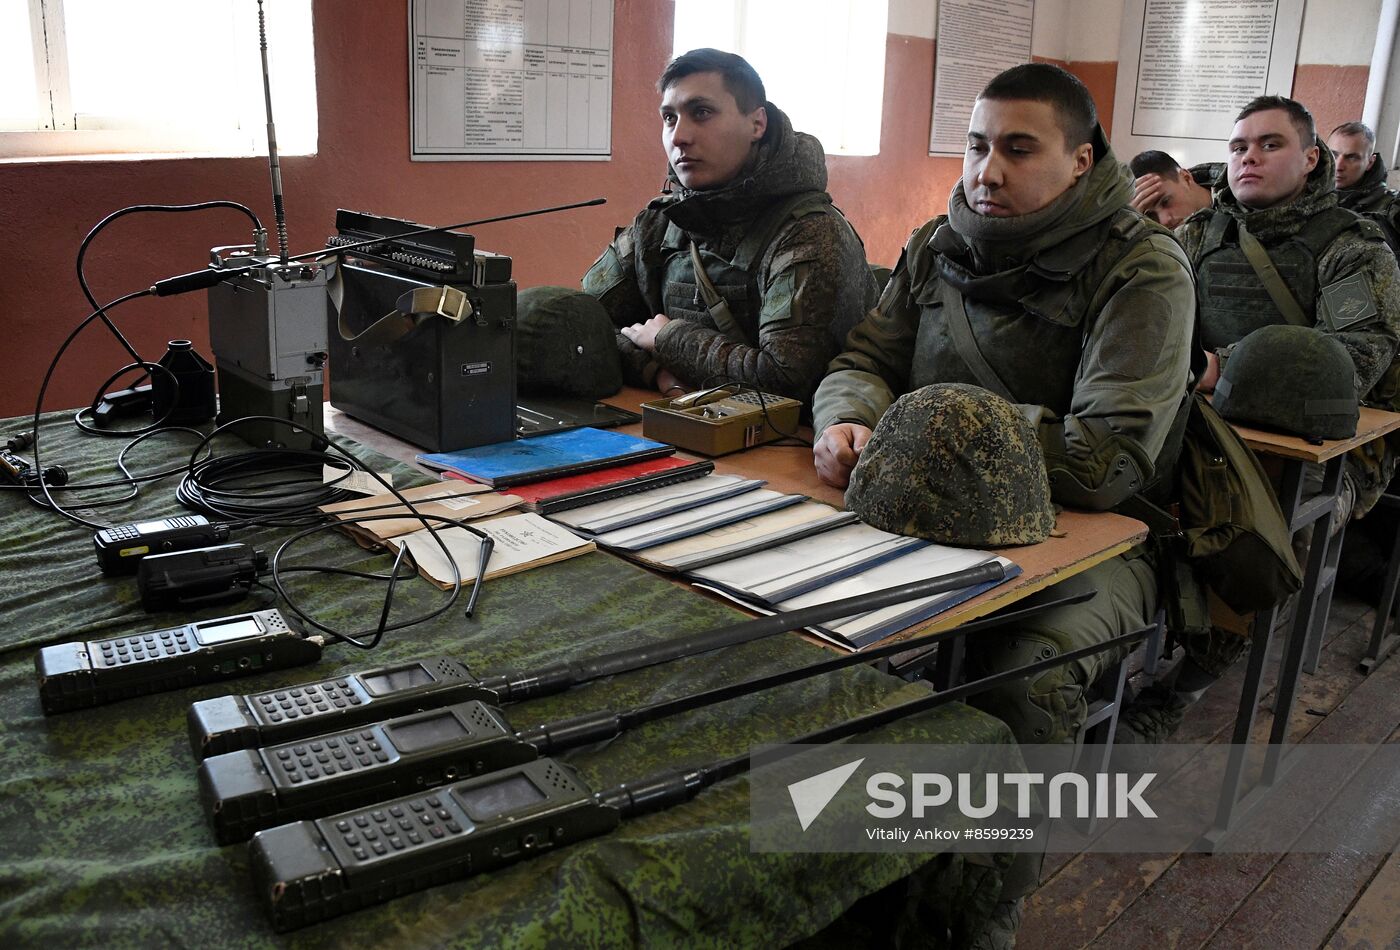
(1334, 94)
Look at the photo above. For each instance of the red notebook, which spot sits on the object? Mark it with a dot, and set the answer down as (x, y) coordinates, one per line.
(574, 491)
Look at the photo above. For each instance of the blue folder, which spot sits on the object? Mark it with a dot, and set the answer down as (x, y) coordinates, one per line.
(545, 456)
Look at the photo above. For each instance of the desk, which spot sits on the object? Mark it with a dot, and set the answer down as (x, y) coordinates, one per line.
(1082, 539)
(1303, 640)
(105, 844)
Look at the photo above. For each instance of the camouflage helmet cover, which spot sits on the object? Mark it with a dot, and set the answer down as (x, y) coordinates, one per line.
(565, 343)
(954, 464)
(1295, 379)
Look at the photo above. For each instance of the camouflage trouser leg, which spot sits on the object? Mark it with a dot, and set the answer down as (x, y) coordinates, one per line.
(1051, 708)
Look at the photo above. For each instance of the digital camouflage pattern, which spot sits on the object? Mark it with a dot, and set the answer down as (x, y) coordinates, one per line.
(564, 344)
(792, 309)
(105, 844)
(1208, 174)
(1296, 379)
(954, 464)
(1359, 252)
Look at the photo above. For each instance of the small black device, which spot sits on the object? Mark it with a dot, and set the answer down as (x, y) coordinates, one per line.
(229, 723)
(121, 548)
(311, 870)
(199, 577)
(81, 674)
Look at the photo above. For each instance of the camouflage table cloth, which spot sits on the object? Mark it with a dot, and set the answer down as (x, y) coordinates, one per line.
(103, 842)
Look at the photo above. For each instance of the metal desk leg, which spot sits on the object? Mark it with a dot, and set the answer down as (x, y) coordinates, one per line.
(1383, 644)
(1298, 514)
(1321, 577)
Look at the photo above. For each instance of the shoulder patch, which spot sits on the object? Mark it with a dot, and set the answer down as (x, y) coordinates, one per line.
(1348, 302)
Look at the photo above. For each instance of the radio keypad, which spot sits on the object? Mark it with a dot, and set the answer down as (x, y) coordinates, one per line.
(158, 645)
(374, 833)
(347, 752)
(308, 700)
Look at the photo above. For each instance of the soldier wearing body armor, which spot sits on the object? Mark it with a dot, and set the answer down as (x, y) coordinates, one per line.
(1042, 286)
(1168, 193)
(1330, 267)
(1080, 311)
(743, 271)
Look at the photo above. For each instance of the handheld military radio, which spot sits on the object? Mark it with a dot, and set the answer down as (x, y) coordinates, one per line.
(229, 723)
(311, 870)
(252, 789)
(82, 674)
(121, 548)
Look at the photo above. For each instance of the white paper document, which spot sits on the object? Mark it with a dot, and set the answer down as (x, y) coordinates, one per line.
(792, 569)
(520, 542)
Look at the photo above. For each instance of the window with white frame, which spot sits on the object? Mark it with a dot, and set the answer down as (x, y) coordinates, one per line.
(822, 61)
(83, 77)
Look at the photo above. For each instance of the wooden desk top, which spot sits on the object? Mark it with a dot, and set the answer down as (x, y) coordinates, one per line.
(1082, 539)
(1373, 424)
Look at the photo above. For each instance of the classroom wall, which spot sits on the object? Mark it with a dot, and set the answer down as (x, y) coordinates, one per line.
(362, 163)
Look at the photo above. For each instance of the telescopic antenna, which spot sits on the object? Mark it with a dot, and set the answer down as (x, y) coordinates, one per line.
(278, 212)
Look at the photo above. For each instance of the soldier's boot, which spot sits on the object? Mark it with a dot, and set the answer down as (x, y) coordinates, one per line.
(1157, 712)
(1152, 717)
(1000, 930)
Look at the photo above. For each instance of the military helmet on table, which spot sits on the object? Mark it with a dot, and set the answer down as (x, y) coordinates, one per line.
(565, 343)
(1295, 379)
(955, 464)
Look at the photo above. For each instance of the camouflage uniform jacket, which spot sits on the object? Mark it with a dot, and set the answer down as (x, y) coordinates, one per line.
(1085, 312)
(1208, 174)
(1360, 251)
(792, 304)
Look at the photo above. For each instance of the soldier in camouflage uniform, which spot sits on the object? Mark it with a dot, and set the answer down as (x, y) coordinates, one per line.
(1360, 174)
(1040, 282)
(1168, 193)
(784, 275)
(1280, 191)
(1081, 307)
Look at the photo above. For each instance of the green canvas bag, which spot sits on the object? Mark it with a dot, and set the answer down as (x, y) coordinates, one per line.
(1232, 527)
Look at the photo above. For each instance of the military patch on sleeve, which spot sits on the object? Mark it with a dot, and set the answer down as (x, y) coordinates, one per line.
(1347, 303)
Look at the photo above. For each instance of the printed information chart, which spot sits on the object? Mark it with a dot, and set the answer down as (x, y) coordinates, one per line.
(976, 40)
(1186, 68)
(511, 79)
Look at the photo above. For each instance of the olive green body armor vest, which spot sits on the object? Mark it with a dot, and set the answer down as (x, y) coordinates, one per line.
(1231, 298)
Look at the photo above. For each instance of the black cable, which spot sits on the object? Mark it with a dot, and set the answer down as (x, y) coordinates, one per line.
(97, 229)
(43, 390)
(484, 558)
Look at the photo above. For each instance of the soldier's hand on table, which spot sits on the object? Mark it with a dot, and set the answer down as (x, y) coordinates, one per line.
(838, 450)
(1211, 376)
(644, 334)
